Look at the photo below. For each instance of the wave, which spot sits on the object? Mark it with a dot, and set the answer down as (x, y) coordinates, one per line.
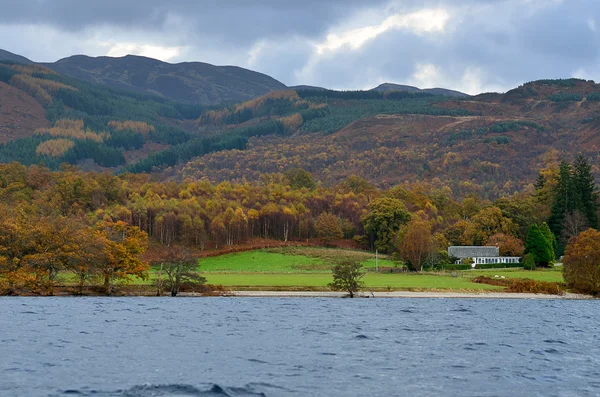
(174, 390)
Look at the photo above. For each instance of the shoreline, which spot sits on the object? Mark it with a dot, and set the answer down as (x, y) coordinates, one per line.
(402, 294)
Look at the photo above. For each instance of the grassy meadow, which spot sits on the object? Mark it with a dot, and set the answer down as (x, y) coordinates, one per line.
(307, 268)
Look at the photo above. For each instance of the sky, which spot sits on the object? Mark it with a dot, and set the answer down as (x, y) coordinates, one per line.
(472, 46)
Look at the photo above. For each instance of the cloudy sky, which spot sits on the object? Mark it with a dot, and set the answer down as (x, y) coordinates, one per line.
(469, 45)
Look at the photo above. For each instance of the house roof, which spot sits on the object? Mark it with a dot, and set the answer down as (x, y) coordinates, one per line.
(462, 252)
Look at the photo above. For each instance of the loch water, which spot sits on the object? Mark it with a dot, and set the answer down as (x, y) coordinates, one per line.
(298, 347)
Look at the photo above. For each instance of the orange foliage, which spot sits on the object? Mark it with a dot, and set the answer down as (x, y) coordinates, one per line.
(136, 126)
(54, 147)
(292, 122)
(73, 129)
(218, 116)
(40, 89)
(31, 69)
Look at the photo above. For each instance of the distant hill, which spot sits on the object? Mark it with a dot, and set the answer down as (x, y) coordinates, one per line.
(191, 82)
(307, 87)
(9, 56)
(407, 88)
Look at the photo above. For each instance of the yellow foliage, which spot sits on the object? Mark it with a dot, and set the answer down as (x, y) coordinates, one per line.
(31, 69)
(40, 89)
(292, 122)
(54, 147)
(136, 126)
(73, 129)
(218, 116)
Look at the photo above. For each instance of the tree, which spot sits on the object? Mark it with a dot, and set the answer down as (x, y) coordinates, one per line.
(383, 220)
(507, 244)
(564, 199)
(415, 243)
(581, 264)
(547, 233)
(347, 276)
(328, 227)
(583, 180)
(529, 262)
(180, 269)
(300, 179)
(123, 246)
(537, 245)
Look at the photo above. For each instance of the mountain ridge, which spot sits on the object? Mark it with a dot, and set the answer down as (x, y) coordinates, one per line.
(384, 87)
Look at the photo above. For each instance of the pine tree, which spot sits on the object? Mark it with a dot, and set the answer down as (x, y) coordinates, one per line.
(563, 200)
(537, 245)
(550, 238)
(585, 187)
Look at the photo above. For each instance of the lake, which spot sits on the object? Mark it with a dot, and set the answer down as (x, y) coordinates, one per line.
(298, 347)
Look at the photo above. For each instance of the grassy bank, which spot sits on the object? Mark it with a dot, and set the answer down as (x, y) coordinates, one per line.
(309, 268)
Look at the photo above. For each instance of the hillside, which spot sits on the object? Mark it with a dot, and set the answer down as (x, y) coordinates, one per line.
(193, 82)
(493, 145)
(490, 145)
(407, 88)
(9, 56)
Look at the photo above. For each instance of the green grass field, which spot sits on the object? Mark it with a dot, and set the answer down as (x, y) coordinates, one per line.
(304, 268)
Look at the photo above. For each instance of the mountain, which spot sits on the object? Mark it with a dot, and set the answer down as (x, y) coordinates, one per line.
(407, 88)
(191, 82)
(491, 145)
(9, 56)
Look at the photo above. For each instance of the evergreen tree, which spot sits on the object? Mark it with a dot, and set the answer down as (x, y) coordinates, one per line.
(537, 245)
(563, 201)
(587, 198)
(550, 238)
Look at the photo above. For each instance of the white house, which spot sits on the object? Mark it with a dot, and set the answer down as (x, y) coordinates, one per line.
(480, 255)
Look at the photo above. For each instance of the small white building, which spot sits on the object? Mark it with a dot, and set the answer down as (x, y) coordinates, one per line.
(480, 255)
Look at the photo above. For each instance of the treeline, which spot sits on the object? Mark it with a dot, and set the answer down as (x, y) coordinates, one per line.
(363, 95)
(414, 222)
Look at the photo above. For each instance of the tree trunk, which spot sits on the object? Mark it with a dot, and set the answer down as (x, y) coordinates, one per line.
(159, 281)
(107, 286)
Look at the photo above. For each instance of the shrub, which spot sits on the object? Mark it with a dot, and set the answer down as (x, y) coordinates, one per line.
(498, 265)
(455, 267)
(581, 264)
(523, 285)
(529, 262)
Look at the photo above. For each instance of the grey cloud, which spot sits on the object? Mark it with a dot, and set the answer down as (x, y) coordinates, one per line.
(508, 41)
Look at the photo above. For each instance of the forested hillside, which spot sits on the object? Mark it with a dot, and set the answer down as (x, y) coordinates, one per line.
(489, 145)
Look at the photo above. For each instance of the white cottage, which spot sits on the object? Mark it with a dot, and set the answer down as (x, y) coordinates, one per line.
(480, 255)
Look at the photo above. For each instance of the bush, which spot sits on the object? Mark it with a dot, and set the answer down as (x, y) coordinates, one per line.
(498, 265)
(455, 267)
(529, 262)
(523, 285)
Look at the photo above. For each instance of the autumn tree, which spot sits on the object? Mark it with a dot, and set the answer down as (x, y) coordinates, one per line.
(347, 277)
(383, 220)
(328, 227)
(415, 243)
(508, 245)
(123, 246)
(581, 263)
